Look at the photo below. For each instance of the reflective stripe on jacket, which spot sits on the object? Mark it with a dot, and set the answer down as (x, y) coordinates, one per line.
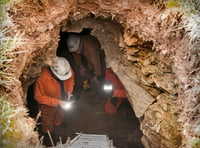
(47, 89)
(118, 87)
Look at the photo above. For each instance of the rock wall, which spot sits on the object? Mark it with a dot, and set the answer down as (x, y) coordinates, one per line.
(139, 38)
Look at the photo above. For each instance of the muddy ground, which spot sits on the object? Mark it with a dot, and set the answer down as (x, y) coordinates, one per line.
(88, 116)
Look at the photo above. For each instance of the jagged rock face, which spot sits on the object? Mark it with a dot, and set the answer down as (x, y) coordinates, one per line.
(160, 125)
(138, 40)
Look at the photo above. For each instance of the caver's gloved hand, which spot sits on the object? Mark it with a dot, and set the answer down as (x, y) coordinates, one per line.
(69, 95)
(62, 103)
(72, 98)
(114, 101)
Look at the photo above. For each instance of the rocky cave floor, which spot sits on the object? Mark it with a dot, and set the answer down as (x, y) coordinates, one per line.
(88, 116)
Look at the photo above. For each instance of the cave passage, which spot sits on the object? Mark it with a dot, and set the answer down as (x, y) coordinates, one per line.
(88, 115)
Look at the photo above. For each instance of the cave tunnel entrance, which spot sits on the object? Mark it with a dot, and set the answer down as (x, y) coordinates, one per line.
(88, 115)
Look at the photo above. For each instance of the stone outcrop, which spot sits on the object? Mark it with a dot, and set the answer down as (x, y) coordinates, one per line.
(161, 122)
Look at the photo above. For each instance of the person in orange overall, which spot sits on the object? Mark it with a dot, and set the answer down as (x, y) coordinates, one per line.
(52, 89)
(88, 47)
(118, 95)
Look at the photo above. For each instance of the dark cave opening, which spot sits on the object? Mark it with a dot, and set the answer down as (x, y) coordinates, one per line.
(88, 115)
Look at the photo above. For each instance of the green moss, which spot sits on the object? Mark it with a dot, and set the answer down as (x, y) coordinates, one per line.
(172, 4)
(187, 7)
(4, 1)
(5, 116)
(195, 142)
(10, 131)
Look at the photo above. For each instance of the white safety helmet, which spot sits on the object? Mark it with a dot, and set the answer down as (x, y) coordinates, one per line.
(61, 69)
(73, 42)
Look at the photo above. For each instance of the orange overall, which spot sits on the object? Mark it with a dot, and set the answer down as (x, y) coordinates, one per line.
(48, 94)
(118, 93)
(91, 50)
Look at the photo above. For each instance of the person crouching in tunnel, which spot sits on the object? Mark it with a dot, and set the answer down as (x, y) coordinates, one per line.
(52, 89)
(118, 95)
(86, 47)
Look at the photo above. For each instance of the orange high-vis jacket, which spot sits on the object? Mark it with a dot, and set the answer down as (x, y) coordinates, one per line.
(47, 89)
(118, 87)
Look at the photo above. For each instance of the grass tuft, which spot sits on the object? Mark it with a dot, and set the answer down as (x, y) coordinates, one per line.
(16, 128)
(195, 142)
(190, 11)
(12, 133)
(191, 14)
